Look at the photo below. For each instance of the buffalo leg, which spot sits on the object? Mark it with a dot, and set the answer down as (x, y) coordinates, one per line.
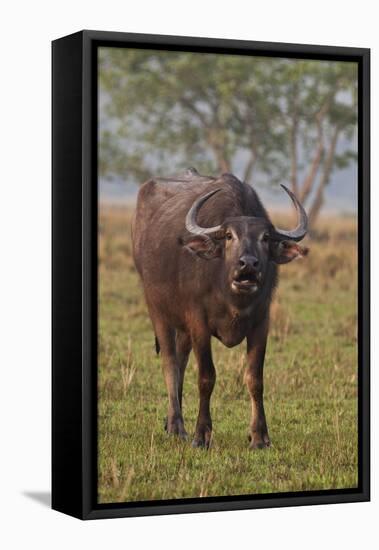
(206, 382)
(171, 370)
(256, 348)
(183, 349)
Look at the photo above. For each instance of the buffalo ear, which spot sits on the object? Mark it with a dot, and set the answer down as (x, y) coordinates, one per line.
(286, 251)
(202, 246)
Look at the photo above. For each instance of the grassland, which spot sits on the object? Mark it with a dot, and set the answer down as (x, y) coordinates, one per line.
(310, 384)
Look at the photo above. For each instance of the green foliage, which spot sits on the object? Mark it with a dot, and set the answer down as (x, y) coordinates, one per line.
(256, 116)
(310, 384)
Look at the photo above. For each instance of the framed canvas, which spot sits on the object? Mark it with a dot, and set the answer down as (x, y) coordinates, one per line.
(188, 176)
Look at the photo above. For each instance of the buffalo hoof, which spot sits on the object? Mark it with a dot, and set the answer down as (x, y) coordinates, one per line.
(175, 427)
(259, 441)
(199, 444)
(202, 441)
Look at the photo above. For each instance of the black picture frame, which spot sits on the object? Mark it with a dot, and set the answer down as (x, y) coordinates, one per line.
(74, 273)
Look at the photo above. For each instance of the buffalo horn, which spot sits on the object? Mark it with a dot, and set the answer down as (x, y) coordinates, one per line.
(301, 230)
(191, 224)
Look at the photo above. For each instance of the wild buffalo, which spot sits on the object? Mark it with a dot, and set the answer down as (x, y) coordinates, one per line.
(207, 254)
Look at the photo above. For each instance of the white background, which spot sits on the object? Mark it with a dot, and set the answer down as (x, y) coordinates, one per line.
(27, 29)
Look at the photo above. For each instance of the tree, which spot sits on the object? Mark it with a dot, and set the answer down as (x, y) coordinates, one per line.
(262, 118)
(321, 109)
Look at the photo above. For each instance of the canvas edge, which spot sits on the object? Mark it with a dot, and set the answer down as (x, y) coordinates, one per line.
(83, 504)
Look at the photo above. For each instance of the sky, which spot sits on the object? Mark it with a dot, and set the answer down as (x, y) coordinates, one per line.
(341, 193)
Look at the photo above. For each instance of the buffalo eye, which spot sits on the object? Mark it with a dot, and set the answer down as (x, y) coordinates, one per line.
(228, 236)
(265, 237)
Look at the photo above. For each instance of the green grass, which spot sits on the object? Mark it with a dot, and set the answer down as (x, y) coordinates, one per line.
(310, 385)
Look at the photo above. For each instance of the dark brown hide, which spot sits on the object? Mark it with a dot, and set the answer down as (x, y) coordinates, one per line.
(199, 286)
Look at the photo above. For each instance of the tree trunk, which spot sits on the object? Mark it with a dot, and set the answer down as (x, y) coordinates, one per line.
(308, 182)
(318, 201)
(316, 207)
(250, 167)
(212, 133)
(222, 162)
(293, 138)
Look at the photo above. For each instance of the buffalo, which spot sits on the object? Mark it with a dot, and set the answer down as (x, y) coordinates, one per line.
(207, 255)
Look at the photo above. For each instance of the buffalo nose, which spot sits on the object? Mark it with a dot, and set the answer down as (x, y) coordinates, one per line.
(248, 261)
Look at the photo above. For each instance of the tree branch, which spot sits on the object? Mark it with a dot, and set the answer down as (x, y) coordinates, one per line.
(210, 131)
(191, 107)
(328, 165)
(307, 184)
(293, 138)
(250, 167)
